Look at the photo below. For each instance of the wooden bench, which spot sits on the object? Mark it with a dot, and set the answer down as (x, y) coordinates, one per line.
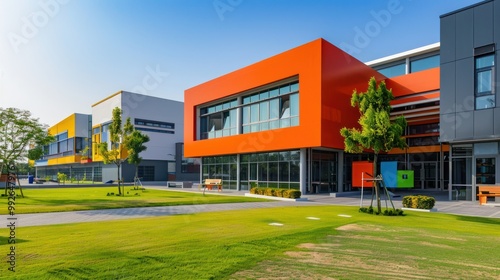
(487, 191)
(210, 183)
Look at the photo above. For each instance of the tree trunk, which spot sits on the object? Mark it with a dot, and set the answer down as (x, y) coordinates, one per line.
(376, 184)
(136, 175)
(118, 176)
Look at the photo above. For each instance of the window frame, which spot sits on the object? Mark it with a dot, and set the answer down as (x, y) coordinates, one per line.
(477, 73)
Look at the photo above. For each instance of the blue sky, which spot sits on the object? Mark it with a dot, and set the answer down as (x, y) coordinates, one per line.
(58, 57)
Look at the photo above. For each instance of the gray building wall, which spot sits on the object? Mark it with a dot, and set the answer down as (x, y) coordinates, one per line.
(128, 170)
(179, 175)
(461, 32)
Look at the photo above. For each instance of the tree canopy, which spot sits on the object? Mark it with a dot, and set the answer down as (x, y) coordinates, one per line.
(117, 136)
(22, 136)
(134, 143)
(377, 133)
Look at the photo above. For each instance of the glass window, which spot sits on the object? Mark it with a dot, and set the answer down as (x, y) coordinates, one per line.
(484, 90)
(424, 63)
(394, 70)
(246, 115)
(294, 105)
(273, 92)
(254, 98)
(484, 81)
(254, 113)
(294, 87)
(264, 110)
(284, 89)
(274, 109)
(485, 171)
(285, 108)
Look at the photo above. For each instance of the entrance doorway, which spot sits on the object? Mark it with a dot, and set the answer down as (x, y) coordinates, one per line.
(426, 175)
(323, 172)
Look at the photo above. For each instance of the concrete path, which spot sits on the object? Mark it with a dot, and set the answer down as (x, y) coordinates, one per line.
(467, 208)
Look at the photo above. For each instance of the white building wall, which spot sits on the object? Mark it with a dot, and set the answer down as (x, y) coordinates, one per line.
(161, 145)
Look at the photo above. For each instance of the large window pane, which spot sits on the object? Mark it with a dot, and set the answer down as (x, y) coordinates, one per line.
(285, 108)
(484, 102)
(484, 81)
(294, 104)
(424, 63)
(254, 113)
(274, 109)
(284, 171)
(395, 70)
(485, 61)
(246, 115)
(264, 110)
(273, 171)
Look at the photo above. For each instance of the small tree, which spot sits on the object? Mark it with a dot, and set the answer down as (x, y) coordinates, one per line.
(377, 132)
(19, 132)
(117, 136)
(134, 143)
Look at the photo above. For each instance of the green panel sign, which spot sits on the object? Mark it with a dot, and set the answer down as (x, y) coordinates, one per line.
(405, 179)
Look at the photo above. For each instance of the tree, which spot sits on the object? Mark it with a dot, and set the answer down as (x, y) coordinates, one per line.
(134, 143)
(19, 132)
(117, 136)
(377, 132)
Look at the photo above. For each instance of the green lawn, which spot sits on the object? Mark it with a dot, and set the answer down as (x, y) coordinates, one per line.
(91, 198)
(313, 242)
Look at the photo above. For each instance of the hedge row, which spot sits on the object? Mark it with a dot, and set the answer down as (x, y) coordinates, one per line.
(419, 201)
(286, 193)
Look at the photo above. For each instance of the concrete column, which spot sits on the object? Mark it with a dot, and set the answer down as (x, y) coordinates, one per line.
(303, 170)
(340, 172)
(238, 186)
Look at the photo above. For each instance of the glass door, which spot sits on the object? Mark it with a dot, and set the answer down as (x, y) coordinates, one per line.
(417, 168)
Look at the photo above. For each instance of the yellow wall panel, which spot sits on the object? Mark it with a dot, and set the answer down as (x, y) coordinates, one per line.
(68, 124)
(64, 160)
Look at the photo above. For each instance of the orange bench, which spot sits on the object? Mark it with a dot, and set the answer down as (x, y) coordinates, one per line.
(487, 191)
(210, 183)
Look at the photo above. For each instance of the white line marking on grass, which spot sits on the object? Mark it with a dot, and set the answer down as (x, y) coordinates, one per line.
(345, 216)
(312, 218)
(276, 224)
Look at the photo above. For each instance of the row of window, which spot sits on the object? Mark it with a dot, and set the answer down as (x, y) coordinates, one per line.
(416, 64)
(167, 125)
(66, 147)
(273, 113)
(276, 107)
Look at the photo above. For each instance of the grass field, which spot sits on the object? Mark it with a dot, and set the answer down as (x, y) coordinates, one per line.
(303, 242)
(91, 198)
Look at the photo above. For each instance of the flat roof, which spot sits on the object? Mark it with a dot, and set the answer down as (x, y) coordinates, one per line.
(465, 8)
(405, 54)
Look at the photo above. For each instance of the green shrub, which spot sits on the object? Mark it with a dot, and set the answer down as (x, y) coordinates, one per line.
(386, 212)
(286, 193)
(279, 192)
(62, 177)
(269, 192)
(419, 201)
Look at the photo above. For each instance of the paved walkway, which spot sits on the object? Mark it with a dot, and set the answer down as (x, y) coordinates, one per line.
(467, 208)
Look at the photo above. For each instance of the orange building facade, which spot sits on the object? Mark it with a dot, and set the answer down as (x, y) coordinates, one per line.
(276, 123)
